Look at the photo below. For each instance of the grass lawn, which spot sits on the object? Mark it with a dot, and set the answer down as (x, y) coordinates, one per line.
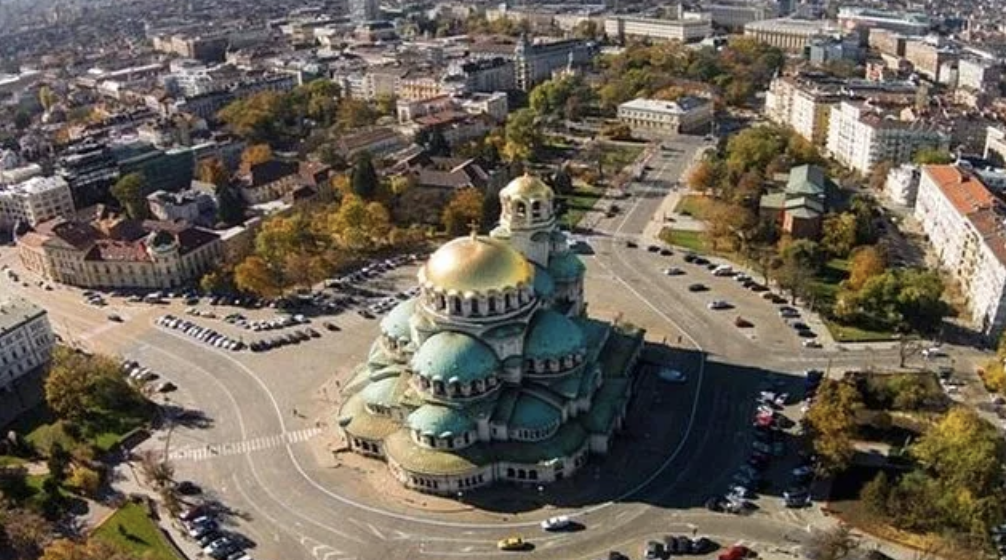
(578, 204)
(694, 205)
(11, 461)
(41, 428)
(845, 333)
(614, 157)
(694, 240)
(131, 529)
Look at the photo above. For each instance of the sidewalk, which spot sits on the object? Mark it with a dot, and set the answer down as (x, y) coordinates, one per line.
(127, 480)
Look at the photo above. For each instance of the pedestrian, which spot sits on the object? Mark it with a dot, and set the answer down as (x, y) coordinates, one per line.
(679, 339)
(295, 412)
(695, 531)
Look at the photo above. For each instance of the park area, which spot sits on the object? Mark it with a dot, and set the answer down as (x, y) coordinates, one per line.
(132, 529)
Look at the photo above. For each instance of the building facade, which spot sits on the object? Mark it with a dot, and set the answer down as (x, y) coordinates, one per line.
(26, 344)
(860, 138)
(995, 145)
(535, 62)
(34, 201)
(687, 114)
(686, 30)
(788, 34)
(116, 253)
(962, 220)
(493, 372)
(361, 11)
(902, 184)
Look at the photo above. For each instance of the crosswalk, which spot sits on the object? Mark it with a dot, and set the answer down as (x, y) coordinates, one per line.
(241, 447)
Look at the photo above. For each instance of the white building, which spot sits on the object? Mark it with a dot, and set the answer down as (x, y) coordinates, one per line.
(995, 145)
(978, 74)
(860, 138)
(963, 221)
(902, 184)
(26, 343)
(688, 114)
(687, 29)
(36, 200)
(802, 106)
(361, 11)
(788, 34)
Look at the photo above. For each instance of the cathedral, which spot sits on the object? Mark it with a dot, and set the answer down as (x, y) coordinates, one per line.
(494, 372)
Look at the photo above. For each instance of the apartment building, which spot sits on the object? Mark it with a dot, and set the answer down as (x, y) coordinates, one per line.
(963, 221)
(860, 137)
(26, 343)
(34, 201)
(802, 106)
(734, 15)
(995, 145)
(978, 74)
(687, 114)
(688, 29)
(928, 57)
(902, 184)
(789, 34)
(112, 252)
(853, 17)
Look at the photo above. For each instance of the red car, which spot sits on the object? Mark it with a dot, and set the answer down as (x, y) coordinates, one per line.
(736, 552)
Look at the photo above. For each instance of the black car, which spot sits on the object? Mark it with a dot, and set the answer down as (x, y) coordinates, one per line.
(631, 244)
(701, 260)
(690, 257)
(331, 326)
(666, 252)
(715, 503)
(188, 488)
(653, 249)
(654, 550)
(703, 545)
(616, 555)
(697, 288)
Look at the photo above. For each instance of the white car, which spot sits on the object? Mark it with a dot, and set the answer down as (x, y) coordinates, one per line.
(811, 344)
(723, 270)
(934, 352)
(718, 304)
(556, 523)
(672, 375)
(673, 271)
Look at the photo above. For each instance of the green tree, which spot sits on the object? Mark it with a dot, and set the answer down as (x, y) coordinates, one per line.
(933, 156)
(832, 423)
(57, 462)
(79, 386)
(463, 209)
(259, 118)
(254, 155)
(523, 136)
(838, 236)
(433, 142)
(230, 205)
(876, 493)
(754, 148)
(866, 262)
(562, 183)
(353, 114)
(47, 98)
(129, 190)
(213, 171)
(364, 179)
(797, 265)
(255, 276)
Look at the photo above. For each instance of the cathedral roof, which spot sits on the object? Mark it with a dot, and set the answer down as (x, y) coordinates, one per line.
(527, 187)
(565, 266)
(396, 323)
(552, 335)
(476, 264)
(439, 421)
(452, 356)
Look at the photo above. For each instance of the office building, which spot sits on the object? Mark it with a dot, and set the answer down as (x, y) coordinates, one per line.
(34, 201)
(112, 252)
(362, 11)
(735, 15)
(851, 18)
(789, 34)
(687, 30)
(687, 114)
(26, 345)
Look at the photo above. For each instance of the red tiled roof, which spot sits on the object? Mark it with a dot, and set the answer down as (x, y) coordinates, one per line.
(973, 200)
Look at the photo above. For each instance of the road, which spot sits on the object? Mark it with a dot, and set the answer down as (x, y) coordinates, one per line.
(262, 440)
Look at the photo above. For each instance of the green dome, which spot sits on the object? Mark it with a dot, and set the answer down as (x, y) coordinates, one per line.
(380, 393)
(531, 413)
(452, 356)
(396, 323)
(544, 286)
(565, 267)
(439, 421)
(552, 335)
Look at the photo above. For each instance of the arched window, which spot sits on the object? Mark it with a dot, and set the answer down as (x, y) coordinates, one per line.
(456, 305)
(533, 475)
(492, 304)
(520, 209)
(475, 306)
(510, 472)
(536, 209)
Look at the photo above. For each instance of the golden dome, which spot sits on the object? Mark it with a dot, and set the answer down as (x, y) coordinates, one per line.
(527, 187)
(476, 264)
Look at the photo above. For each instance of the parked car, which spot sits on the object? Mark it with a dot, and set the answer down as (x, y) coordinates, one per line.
(719, 304)
(673, 271)
(697, 288)
(741, 322)
(736, 552)
(556, 523)
(671, 375)
(511, 543)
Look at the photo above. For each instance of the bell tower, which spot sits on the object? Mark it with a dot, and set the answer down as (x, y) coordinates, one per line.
(528, 217)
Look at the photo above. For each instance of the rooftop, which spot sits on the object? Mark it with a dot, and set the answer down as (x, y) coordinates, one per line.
(16, 311)
(678, 107)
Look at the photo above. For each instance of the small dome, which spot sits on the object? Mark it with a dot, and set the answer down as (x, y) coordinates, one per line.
(476, 264)
(552, 335)
(527, 187)
(531, 413)
(452, 356)
(396, 323)
(544, 286)
(565, 267)
(439, 421)
(380, 393)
